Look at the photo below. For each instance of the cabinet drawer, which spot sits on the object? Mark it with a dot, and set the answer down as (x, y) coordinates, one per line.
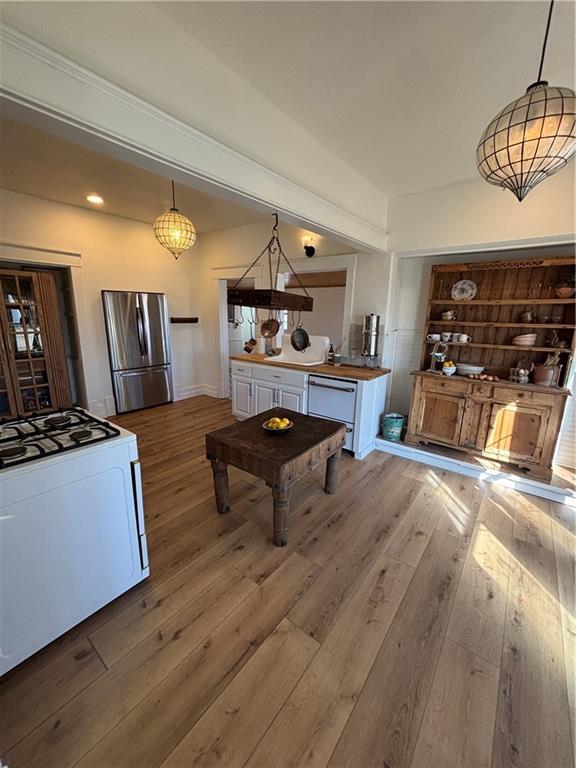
(509, 395)
(242, 370)
(280, 375)
(349, 442)
(544, 399)
(445, 384)
(482, 390)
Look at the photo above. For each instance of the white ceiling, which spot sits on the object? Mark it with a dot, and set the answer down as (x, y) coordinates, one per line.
(400, 90)
(34, 162)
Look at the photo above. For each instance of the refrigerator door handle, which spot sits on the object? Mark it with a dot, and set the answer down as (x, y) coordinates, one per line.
(141, 337)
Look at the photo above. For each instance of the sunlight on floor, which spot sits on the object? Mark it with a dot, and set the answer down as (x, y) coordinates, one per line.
(458, 513)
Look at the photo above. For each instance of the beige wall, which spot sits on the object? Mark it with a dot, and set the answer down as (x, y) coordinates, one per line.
(328, 314)
(475, 213)
(116, 254)
(121, 254)
(226, 250)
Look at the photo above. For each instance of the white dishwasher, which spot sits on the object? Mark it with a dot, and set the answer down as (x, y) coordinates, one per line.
(334, 399)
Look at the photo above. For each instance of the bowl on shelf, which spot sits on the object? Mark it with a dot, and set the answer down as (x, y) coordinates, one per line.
(448, 370)
(465, 369)
(524, 340)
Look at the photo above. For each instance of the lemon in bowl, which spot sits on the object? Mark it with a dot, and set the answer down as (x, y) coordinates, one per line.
(278, 424)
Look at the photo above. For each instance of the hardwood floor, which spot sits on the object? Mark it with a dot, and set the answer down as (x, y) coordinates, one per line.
(416, 619)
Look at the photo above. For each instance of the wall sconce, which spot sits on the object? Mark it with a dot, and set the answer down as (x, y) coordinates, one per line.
(309, 249)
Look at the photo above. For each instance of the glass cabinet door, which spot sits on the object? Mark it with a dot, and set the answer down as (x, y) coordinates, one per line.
(25, 348)
(6, 404)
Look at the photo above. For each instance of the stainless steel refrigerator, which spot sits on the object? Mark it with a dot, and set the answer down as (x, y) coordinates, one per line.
(139, 348)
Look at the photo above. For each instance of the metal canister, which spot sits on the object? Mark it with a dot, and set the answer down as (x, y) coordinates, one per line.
(370, 333)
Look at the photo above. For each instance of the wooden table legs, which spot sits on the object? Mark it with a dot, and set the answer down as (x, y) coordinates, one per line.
(281, 496)
(332, 471)
(221, 489)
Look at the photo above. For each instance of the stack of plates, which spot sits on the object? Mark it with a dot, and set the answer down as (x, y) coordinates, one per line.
(524, 340)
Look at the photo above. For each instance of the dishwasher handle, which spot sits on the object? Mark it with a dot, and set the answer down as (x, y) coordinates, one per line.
(329, 386)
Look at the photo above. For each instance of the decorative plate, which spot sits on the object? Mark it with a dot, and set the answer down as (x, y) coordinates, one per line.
(464, 290)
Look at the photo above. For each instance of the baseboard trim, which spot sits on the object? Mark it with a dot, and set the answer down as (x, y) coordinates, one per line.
(195, 390)
(525, 484)
(104, 406)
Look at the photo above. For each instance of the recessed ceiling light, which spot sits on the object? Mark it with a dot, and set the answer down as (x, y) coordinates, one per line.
(95, 199)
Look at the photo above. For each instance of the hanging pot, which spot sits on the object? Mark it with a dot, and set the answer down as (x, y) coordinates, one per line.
(300, 339)
(270, 328)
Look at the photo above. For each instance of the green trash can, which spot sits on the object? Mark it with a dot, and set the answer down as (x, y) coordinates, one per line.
(392, 425)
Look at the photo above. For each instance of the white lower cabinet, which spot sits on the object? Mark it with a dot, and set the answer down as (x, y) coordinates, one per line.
(242, 397)
(265, 396)
(359, 404)
(292, 398)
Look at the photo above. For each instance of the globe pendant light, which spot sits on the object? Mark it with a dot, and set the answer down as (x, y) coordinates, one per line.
(531, 138)
(174, 231)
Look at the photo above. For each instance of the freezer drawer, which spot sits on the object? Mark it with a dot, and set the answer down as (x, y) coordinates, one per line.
(332, 398)
(349, 442)
(142, 387)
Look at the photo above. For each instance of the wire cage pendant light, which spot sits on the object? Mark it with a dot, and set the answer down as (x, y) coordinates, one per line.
(174, 231)
(532, 138)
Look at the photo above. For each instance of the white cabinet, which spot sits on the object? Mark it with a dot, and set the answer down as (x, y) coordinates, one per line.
(265, 396)
(258, 387)
(268, 395)
(241, 397)
(292, 398)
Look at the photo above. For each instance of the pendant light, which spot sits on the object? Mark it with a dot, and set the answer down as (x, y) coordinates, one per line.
(270, 298)
(174, 231)
(531, 138)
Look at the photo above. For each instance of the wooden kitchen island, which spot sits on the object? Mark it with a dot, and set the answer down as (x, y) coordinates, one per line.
(280, 459)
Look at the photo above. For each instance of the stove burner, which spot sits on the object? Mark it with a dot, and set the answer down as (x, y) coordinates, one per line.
(13, 452)
(27, 439)
(57, 421)
(80, 434)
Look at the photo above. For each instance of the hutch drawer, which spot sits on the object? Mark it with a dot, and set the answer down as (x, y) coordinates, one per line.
(445, 384)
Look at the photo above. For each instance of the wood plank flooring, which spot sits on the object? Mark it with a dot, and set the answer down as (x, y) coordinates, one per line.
(416, 619)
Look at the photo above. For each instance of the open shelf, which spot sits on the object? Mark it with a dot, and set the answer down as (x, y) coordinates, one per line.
(489, 324)
(501, 302)
(475, 345)
(505, 289)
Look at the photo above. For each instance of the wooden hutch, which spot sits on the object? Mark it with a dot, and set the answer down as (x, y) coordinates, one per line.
(501, 420)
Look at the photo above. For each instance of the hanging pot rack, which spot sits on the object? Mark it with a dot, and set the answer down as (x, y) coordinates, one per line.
(271, 298)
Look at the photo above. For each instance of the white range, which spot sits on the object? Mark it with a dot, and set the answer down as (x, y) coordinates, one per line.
(72, 534)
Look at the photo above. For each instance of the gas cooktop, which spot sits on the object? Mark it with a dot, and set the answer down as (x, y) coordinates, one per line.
(37, 436)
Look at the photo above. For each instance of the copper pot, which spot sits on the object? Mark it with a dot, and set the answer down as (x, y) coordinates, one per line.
(544, 375)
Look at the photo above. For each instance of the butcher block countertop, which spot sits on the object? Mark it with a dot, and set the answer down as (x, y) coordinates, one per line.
(340, 371)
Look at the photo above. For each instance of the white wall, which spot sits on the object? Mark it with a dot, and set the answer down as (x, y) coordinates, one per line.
(475, 213)
(116, 254)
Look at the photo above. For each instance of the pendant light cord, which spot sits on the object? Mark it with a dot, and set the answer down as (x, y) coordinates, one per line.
(545, 40)
(174, 196)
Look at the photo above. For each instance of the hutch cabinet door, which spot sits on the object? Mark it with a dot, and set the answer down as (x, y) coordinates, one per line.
(516, 432)
(440, 417)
